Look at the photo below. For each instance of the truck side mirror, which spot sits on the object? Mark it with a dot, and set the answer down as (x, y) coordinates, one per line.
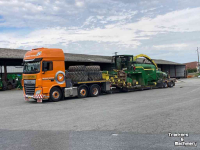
(44, 66)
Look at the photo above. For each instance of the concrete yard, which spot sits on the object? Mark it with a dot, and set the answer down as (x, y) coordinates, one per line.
(133, 120)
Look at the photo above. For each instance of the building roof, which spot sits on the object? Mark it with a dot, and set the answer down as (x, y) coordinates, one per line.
(19, 54)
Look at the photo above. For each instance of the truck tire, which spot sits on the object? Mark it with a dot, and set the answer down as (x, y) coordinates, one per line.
(94, 90)
(77, 76)
(76, 68)
(92, 68)
(55, 94)
(82, 91)
(94, 76)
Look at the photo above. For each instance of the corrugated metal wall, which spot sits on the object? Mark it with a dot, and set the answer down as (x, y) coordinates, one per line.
(180, 71)
(13, 69)
(175, 71)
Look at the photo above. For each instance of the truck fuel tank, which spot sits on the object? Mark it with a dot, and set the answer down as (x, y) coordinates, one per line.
(71, 92)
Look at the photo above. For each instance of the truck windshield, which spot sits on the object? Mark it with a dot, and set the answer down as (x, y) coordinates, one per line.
(31, 67)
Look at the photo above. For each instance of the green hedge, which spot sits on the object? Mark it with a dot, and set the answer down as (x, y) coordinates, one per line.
(192, 70)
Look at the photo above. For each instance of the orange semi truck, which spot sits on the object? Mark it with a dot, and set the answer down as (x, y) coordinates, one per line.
(44, 78)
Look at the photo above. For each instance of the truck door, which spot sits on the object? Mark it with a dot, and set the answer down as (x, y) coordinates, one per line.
(47, 76)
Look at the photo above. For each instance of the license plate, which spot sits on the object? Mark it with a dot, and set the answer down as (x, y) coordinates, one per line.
(29, 97)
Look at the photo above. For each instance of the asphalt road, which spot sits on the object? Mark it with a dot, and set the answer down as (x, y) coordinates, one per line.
(133, 120)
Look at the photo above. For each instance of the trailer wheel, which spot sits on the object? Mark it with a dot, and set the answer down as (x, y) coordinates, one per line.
(94, 90)
(55, 94)
(82, 91)
(165, 85)
(170, 84)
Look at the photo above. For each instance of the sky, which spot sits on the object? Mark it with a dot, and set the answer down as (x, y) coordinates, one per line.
(161, 29)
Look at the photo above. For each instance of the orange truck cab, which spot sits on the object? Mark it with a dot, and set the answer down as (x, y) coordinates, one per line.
(44, 74)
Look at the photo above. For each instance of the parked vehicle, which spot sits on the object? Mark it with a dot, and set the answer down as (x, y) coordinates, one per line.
(45, 77)
(13, 81)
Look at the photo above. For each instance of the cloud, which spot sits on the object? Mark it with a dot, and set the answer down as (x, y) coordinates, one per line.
(176, 46)
(79, 3)
(93, 26)
(38, 13)
(128, 35)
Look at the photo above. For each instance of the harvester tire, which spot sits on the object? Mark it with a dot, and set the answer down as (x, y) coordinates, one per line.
(94, 90)
(92, 68)
(76, 68)
(77, 76)
(94, 76)
(55, 94)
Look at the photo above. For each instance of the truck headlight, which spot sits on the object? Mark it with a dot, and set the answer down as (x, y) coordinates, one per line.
(38, 92)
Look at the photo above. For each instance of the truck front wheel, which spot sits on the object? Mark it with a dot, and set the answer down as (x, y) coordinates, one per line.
(55, 94)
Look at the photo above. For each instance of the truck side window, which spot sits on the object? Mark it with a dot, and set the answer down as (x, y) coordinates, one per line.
(49, 66)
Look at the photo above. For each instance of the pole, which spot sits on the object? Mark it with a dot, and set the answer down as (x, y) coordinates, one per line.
(5, 72)
(198, 59)
(1, 72)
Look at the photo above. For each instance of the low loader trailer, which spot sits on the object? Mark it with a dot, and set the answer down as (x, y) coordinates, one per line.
(45, 77)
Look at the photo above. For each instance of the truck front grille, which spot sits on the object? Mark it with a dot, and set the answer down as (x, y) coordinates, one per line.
(29, 89)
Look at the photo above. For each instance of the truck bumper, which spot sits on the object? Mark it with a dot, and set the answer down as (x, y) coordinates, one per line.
(39, 97)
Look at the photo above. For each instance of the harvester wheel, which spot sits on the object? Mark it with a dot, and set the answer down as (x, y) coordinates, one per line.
(165, 85)
(77, 76)
(55, 94)
(94, 76)
(92, 68)
(94, 90)
(76, 68)
(82, 91)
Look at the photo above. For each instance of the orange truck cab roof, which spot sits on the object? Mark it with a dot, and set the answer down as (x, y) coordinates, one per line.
(45, 54)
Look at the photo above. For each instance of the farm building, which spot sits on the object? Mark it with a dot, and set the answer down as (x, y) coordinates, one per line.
(14, 58)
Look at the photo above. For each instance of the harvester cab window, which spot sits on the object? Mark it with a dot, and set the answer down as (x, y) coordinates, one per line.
(124, 63)
(118, 63)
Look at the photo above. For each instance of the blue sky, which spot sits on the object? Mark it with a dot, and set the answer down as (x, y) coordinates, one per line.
(162, 29)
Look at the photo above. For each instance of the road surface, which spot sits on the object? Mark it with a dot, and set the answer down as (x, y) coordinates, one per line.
(133, 120)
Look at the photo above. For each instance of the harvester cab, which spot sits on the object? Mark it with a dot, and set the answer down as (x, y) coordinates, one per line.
(123, 62)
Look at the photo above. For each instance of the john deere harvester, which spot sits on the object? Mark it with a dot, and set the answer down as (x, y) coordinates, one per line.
(129, 74)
